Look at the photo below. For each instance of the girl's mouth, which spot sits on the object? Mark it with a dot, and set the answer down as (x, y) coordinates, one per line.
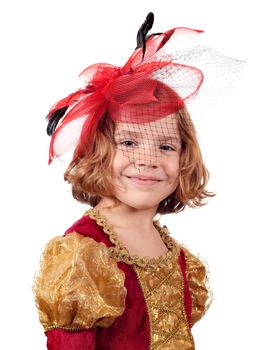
(143, 181)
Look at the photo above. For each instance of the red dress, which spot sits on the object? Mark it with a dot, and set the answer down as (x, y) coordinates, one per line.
(92, 294)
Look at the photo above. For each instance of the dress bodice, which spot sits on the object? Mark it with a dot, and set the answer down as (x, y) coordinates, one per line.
(88, 282)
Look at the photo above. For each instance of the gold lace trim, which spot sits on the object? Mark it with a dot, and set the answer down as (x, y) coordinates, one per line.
(121, 253)
(69, 329)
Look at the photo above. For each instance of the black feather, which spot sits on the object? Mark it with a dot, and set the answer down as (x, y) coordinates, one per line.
(54, 120)
(143, 31)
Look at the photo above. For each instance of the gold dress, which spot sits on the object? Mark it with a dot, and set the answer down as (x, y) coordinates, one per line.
(90, 287)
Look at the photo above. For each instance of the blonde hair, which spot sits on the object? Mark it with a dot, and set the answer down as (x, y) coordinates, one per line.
(91, 170)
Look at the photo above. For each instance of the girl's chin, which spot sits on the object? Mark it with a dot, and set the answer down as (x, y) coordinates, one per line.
(140, 204)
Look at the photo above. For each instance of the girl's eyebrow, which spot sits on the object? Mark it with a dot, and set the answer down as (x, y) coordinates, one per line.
(122, 132)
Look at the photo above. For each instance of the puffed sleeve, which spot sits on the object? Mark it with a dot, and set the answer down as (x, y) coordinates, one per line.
(79, 286)
(197, 278)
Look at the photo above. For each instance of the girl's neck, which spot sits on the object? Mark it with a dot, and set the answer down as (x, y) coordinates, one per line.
(122, 216)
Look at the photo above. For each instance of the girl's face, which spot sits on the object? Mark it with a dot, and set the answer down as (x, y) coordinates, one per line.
(146, 163)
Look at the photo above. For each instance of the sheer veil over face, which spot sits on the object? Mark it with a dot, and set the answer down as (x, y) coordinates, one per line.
(146, 162)
(157, 81)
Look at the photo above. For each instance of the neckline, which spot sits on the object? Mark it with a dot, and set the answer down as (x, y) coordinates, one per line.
(121, 253)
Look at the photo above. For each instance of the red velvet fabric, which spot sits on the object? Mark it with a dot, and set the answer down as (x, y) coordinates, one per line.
(59, 339)
(131, 331)
(187, 294)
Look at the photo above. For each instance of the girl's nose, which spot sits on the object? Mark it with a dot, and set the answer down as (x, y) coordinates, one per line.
(147, 157)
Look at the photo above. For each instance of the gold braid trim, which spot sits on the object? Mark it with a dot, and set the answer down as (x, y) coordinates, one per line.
(69, 329)
(120, 252)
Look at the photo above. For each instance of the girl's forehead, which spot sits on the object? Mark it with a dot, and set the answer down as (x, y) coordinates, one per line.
(167, 125)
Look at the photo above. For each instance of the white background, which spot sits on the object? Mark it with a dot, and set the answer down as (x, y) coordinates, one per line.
(44, 46)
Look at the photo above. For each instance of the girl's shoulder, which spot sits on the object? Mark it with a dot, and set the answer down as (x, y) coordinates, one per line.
(197, 275)
(88, 227)
(76, 279)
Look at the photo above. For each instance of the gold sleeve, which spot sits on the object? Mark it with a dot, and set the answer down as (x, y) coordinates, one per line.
(79, 286)
(197, 278)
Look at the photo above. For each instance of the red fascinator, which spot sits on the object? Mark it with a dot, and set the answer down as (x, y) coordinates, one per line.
(154, 82)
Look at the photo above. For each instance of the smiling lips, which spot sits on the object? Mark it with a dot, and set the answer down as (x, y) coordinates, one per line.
(144, 180)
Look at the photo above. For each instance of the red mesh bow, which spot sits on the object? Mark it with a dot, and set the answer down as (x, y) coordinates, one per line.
(128, 93)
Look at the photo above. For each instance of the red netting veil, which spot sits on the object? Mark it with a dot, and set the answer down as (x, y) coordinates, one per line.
(157, 80)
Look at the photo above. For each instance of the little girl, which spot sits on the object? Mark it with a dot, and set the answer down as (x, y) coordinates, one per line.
(117, 279)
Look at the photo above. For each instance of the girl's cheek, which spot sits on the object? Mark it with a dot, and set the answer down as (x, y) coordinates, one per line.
(120, 161)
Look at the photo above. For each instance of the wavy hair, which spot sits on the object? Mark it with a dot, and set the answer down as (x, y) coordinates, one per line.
(90, 172)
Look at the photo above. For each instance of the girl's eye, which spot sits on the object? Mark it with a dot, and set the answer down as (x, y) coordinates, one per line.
(127, 143)
(167, 146)
(130, 143)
